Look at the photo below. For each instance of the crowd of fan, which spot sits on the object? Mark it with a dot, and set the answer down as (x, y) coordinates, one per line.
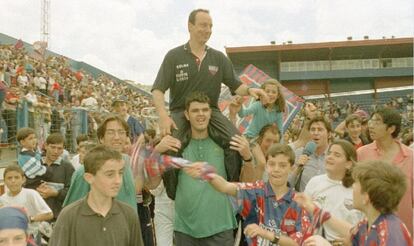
(52, 88)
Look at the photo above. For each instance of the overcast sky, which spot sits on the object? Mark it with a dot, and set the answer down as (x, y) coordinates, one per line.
(129, 38)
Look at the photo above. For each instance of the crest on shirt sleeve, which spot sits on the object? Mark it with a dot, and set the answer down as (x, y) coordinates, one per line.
(213, 69)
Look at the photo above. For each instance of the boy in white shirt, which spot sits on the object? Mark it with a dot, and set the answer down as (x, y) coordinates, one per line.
(30, 199)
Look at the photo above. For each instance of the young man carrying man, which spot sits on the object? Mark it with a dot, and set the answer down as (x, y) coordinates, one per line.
(203, 216)
(384, 127)
(285, 224)
(99, 219)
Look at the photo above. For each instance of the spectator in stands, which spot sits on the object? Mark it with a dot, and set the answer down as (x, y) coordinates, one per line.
(332, 191)
(23, 79)
(178, 73)
(89, 101)
(308, 166)
(98, 219)
(54, 90)
(384, 127)
(121, 107)
(9, 112)
(14, 227)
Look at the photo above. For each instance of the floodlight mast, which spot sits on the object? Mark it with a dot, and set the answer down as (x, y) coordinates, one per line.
(45, 22)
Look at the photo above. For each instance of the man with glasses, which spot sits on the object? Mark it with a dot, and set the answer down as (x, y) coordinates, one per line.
(384, 127)
(113, 133)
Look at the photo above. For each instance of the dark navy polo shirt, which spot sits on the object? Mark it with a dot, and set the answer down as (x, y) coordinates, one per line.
(180, 73)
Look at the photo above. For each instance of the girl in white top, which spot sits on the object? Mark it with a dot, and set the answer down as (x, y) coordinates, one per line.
(333, 191)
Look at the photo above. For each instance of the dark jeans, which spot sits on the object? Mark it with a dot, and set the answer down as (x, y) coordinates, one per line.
(147, 232)
(224, 238)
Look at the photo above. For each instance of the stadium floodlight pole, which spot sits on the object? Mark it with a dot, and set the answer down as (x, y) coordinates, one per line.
(45, 22)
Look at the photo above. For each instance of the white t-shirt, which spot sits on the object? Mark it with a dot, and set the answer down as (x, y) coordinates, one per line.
(330, 195)
(23, 80)
(42, 83)
(75, 162)
(29, 199)
(89, 102)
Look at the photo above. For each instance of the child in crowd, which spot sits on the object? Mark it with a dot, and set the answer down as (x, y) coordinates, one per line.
(255, 170)
(353, 126)
(332, 191)
(13, 227)
(83, 148)
(270, 112)
(76, 162)
(377, 191)
(29, 159)
(99, 219)
(271, 215)
(29, 199)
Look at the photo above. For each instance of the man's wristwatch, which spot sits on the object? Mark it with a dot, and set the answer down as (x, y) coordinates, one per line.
(276, 238)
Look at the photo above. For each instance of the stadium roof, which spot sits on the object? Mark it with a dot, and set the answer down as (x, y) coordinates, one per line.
(351, 49)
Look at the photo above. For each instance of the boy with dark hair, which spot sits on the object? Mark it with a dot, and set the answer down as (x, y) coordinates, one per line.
(285, 224)
(16, 195)
(99, 219)
(54, 188)
(202, 215)
(353, 125)
(384, 127)
(309, 165)
(29, 159)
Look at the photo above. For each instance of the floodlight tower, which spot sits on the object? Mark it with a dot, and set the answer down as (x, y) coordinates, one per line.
(45, 21)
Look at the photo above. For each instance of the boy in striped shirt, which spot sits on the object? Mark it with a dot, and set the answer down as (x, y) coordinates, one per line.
(29, 159)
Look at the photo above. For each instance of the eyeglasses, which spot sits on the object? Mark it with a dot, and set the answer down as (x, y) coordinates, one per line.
(111, 132)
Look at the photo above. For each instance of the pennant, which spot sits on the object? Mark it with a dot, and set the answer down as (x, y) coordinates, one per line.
(254, 77)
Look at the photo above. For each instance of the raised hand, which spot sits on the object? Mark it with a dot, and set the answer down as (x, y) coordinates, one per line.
(240, 144)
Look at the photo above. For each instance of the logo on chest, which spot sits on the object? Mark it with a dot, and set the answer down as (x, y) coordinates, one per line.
(181, 73)
(213, 69)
